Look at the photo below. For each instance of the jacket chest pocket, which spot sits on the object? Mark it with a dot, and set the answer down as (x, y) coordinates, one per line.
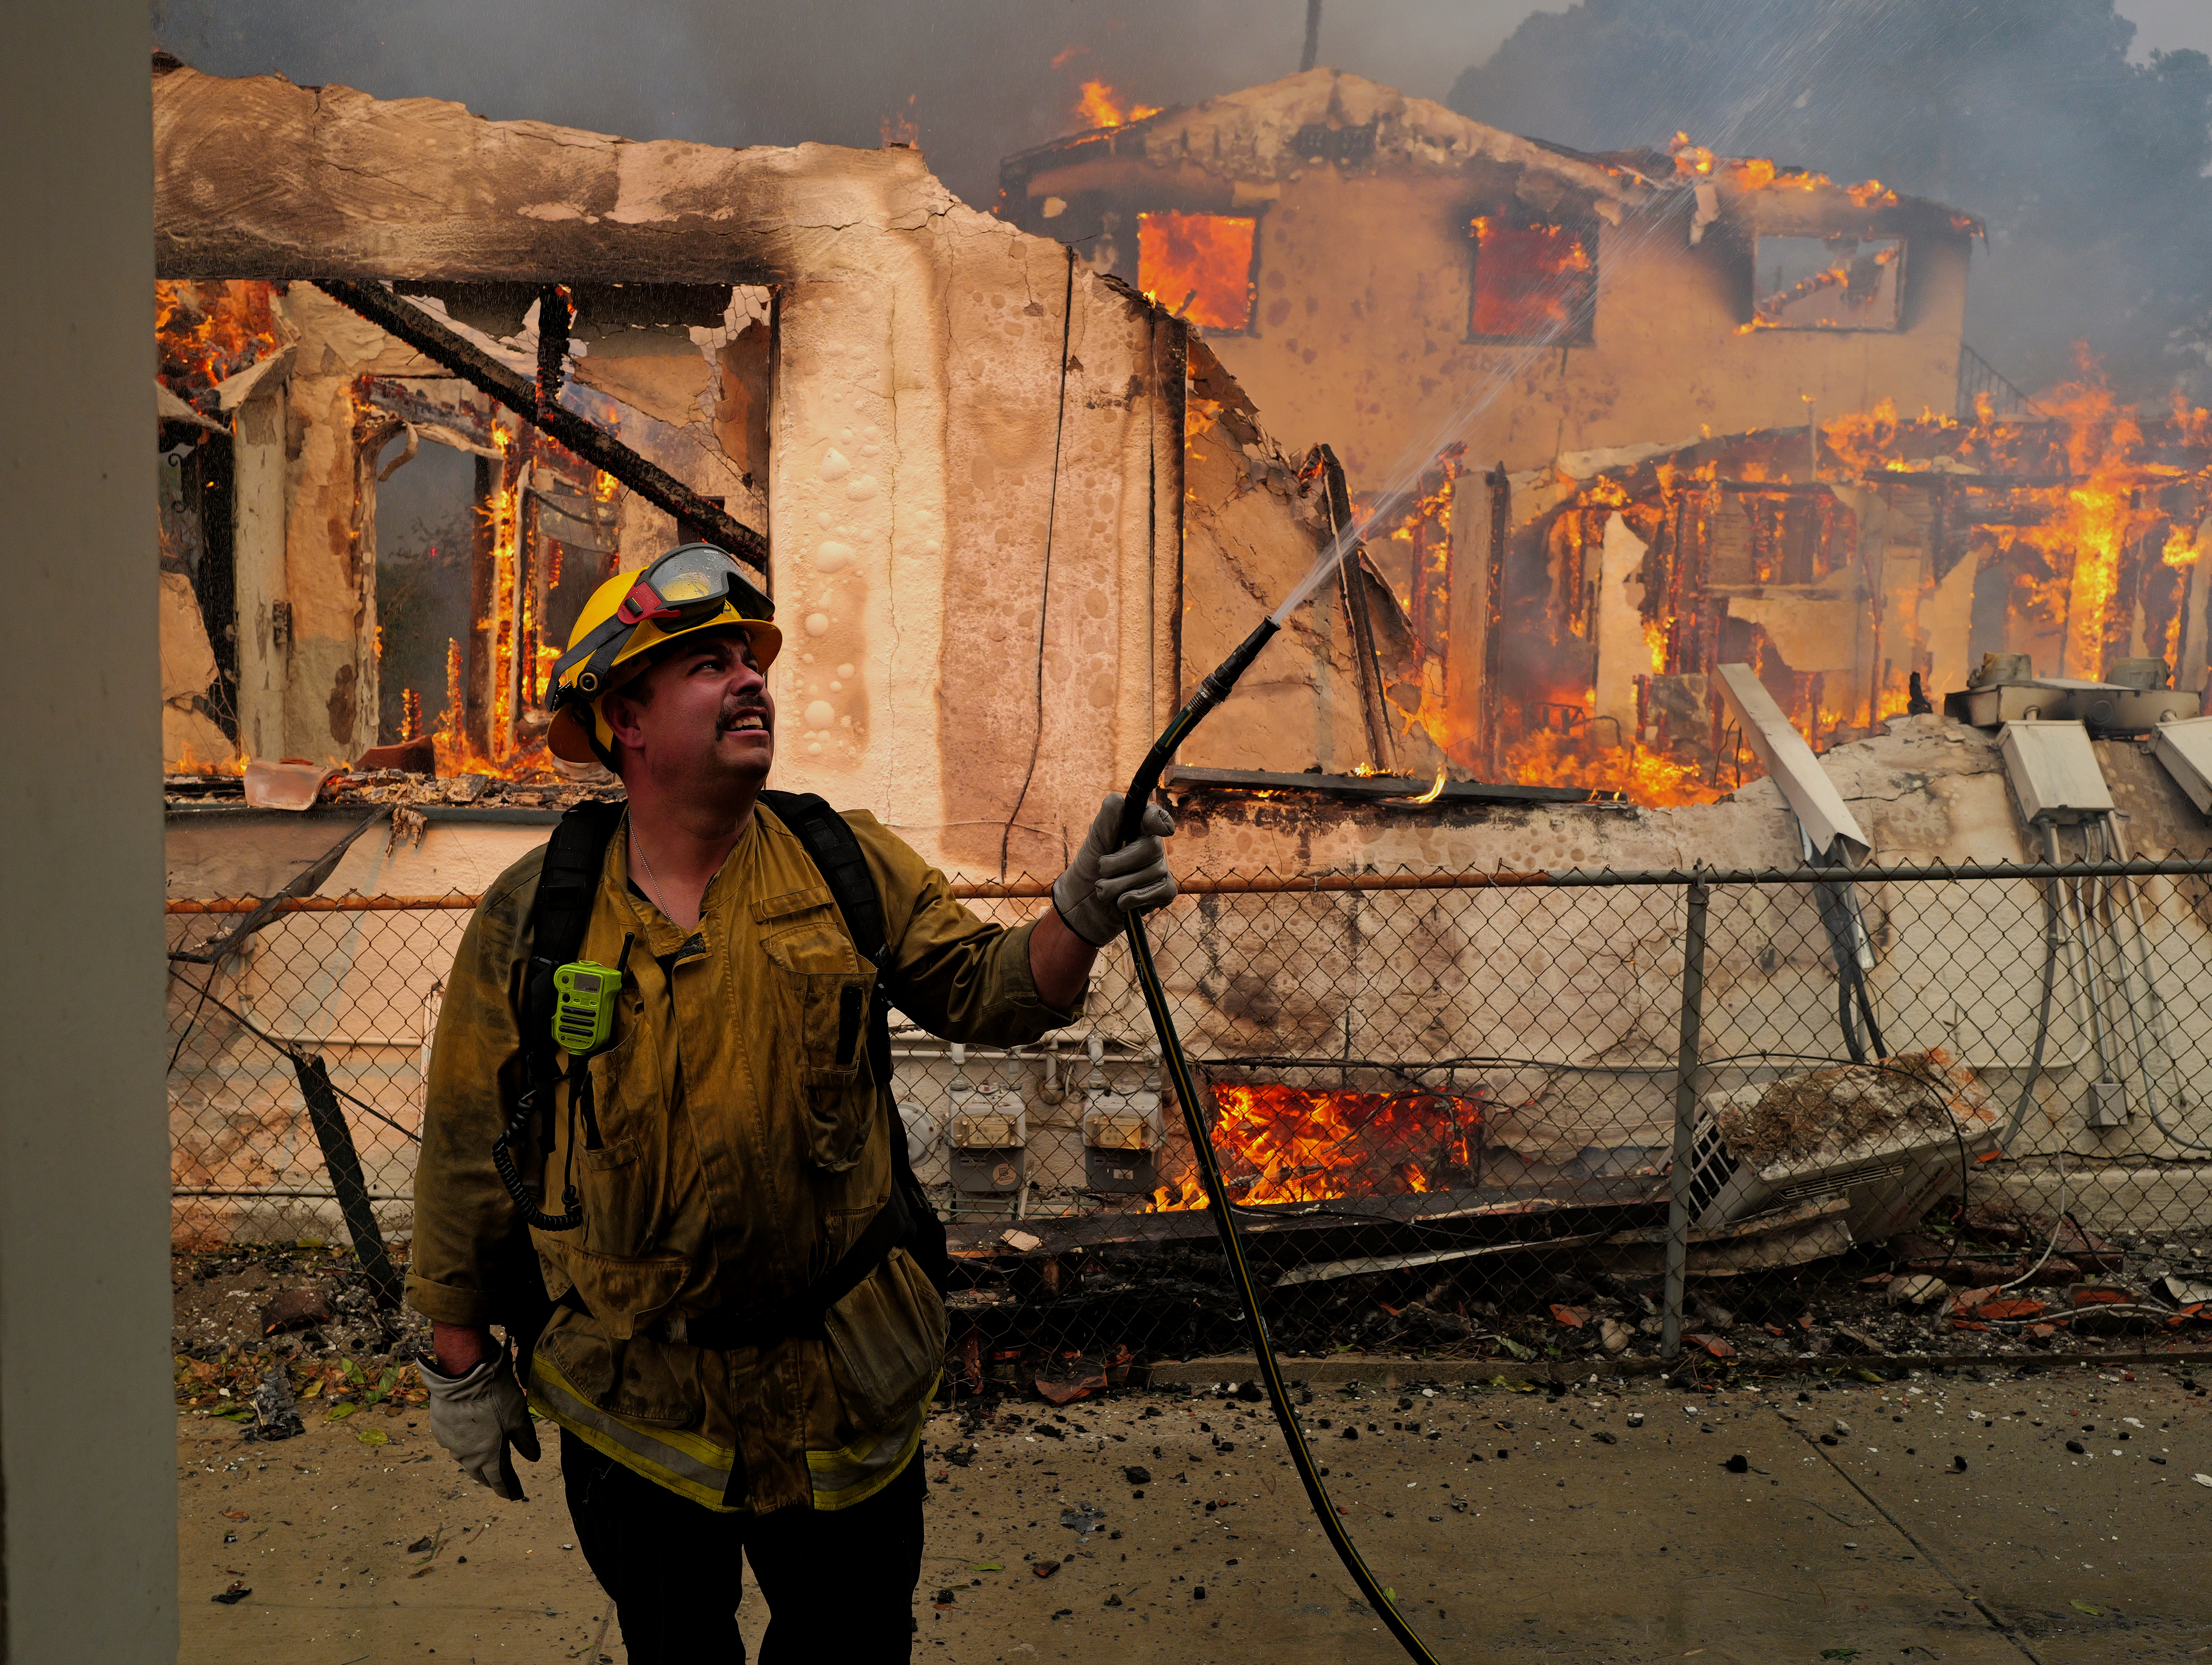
(827, 997)
(624, 1180)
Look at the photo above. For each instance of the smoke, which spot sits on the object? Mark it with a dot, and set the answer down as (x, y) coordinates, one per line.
(2087, 169)
(976, 79)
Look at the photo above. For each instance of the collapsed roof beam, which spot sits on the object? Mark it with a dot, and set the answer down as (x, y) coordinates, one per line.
(424, 333)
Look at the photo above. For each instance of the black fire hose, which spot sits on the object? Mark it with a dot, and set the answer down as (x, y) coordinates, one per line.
(1210, 693)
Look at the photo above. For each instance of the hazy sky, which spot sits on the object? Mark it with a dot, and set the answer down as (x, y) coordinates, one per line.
(2169, 25)
(977, 77)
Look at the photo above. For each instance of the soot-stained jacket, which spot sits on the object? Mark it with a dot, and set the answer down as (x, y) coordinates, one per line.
(743, 1147)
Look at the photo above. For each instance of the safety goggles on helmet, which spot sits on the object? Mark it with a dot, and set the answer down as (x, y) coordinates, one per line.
(691, 585)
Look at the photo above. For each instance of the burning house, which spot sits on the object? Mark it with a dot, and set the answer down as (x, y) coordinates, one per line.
(1503, 339)
(1384, 274)
(819, 346)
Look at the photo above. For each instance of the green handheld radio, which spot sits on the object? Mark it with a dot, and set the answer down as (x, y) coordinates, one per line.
(584, 1006)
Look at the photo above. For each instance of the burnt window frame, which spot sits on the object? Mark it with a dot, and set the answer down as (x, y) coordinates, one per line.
(1901, 323)
(1255, 212)
(1581, 331)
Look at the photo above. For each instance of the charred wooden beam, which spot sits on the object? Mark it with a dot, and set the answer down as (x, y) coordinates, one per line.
(1383, 752)
(420, 330)
(553, 317)
(1493, 624)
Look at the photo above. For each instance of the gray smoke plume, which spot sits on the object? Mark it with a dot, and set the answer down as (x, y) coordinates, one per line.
(2088, 169)
(977, 80)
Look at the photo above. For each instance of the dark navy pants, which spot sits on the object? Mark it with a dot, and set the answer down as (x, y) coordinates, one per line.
(839, 1583)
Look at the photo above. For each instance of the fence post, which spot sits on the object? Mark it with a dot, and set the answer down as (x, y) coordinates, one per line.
(1686, 1117)
(343, 1163)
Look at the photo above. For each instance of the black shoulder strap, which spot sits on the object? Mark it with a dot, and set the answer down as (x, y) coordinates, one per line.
(559, 915)
(831, 840)
(835, 850)
(561, 912)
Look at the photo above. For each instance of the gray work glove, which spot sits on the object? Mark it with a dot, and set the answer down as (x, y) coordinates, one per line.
(1104, 885)
(477, 1417)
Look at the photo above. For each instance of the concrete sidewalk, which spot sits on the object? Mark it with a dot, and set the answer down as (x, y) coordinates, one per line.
(1603, 1524)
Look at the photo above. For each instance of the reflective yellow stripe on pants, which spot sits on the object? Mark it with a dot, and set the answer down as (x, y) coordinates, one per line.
(698, 1469)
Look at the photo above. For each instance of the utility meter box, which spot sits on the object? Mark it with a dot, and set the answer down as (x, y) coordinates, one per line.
(924, 1142)
(989, 1136)
(2054, 770)
(2108, 1105)
(2185, 751)
(1122, 1133)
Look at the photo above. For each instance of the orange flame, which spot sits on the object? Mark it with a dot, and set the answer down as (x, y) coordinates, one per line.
(188, 762)
(1100, 106)
(1695, 161)
(900, 127)
(1549, 759)
(1281, 1144)
(1199, 266)
(205, 332)
(1532, 281)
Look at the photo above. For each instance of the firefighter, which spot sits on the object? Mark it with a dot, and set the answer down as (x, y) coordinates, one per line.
(744, 1337)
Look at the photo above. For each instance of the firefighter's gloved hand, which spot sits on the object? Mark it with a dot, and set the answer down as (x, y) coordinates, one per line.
(1106, 883)
(477, 1417)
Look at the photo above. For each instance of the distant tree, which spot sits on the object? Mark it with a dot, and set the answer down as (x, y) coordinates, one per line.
(2088, 170)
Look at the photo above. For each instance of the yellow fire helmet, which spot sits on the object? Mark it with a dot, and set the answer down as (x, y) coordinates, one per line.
(695, 587)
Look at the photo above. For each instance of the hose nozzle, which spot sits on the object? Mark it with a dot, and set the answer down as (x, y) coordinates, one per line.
(1211, 692)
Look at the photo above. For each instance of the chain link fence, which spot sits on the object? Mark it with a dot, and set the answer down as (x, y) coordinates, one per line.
(1605, 1120)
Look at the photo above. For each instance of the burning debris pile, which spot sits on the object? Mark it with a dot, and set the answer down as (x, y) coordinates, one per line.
(1284, 1144)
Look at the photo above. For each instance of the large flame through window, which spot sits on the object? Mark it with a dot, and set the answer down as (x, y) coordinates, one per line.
(1199, 266)
(1532, 281)
(1279, 1144)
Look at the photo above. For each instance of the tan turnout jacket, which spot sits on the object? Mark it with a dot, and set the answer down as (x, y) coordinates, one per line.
(744, 1147)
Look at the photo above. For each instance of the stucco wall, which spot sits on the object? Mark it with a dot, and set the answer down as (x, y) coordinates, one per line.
(1361, 324)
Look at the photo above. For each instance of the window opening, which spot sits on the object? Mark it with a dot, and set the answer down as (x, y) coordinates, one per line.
(1840, 282)
(1199, 266)
(425, 516)
(1534, 280)
(194, 497)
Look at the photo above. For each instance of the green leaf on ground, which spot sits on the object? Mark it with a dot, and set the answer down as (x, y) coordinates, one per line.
(337, 1410)
(373, 1436)
(2083, 1606)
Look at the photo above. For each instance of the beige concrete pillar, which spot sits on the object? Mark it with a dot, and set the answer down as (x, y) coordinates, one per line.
(88, 1429)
